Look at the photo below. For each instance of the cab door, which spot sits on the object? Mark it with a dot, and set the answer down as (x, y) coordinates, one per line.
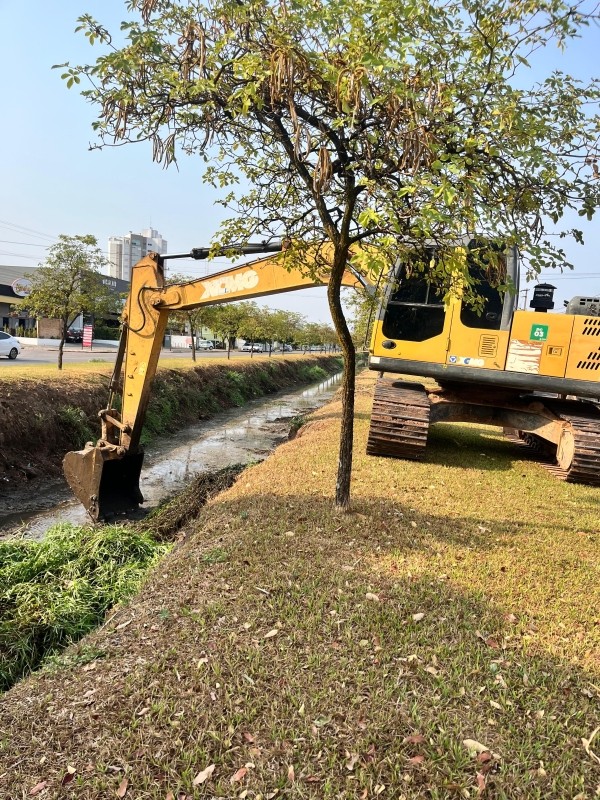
(414, 323)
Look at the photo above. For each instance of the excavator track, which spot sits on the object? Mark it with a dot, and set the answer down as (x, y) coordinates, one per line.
(578, 455)
(399, 420)
(584, 466)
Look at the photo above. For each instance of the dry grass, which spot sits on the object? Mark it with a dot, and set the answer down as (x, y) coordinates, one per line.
(306, 654)
(103, 365)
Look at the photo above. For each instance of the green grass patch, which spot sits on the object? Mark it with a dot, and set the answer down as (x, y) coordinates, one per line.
(75, 425)
(56, 590)
(313, 373)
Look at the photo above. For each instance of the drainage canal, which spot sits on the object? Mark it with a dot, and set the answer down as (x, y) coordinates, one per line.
(237, 436)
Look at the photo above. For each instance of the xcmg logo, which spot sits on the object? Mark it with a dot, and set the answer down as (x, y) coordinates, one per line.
(230, 283)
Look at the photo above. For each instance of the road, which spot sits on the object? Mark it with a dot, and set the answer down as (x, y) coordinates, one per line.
(74, 353)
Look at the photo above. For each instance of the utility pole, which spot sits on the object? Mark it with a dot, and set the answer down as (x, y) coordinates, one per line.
(525, 292)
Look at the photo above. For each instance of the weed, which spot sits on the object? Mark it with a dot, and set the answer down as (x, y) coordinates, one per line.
(313, 373)
(56, 590)
(75, 425)
(215, 556)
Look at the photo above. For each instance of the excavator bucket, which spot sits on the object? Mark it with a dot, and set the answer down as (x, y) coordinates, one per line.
(104, 484)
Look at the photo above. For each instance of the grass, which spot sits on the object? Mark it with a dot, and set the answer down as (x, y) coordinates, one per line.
(308, 654)
(56, 590)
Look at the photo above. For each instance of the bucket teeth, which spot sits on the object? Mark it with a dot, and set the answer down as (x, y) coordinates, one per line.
(105, 484)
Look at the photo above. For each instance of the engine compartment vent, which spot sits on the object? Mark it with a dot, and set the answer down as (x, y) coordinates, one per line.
(591, 326)
(591, 362)
(488, 346)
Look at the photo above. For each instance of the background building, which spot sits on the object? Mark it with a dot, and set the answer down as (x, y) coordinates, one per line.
(125, 251)
(12, 281)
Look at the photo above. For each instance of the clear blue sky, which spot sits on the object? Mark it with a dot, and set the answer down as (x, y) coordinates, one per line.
(52, 184)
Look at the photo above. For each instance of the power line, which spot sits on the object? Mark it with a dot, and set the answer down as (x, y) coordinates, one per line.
(25, 231)
(15, 255)
(26, 244)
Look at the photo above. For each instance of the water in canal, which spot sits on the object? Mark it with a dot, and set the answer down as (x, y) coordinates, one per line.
(237, 436)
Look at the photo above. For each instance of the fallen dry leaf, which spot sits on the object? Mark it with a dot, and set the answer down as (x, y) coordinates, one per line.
(475, 746)
(122, 790)
(271, 633)
(352, 759)
(291, 773)
(418, 617)
(373, 597)
(489, 640)
(203, 776)
(480, 783)
(248, 737)
(39, 787)
(586, 746)
(170, 796)
(239, 775)
(415, 760)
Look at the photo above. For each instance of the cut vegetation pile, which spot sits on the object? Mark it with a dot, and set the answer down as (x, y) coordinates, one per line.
(54, 591)
(441, 641)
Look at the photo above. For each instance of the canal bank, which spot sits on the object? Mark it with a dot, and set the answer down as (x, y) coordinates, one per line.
(41, 419)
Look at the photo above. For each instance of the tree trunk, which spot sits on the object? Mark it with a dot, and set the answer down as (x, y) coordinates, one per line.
(61, 344)
(344, 472)
(193, 332)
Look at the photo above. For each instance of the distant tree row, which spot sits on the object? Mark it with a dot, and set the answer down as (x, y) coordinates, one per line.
(254, 324)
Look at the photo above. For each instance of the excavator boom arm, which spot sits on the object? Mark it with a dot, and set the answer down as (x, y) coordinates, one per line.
(105, 476)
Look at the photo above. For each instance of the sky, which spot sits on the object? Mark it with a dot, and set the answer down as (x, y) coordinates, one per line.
(52, 183)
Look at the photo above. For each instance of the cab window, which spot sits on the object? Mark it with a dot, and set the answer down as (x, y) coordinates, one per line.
(415, 311)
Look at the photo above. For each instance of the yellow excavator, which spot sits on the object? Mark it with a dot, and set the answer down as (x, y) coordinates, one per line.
(105, 476)
(531, 372)
(534, 373)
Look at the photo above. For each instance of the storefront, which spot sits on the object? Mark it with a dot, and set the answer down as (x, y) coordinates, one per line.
(13, 283)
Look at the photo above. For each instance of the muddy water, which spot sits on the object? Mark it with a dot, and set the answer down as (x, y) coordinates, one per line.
(238, 436)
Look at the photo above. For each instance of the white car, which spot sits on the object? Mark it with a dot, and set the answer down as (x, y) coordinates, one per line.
(203, 345)
(9, 346)
(252, 348)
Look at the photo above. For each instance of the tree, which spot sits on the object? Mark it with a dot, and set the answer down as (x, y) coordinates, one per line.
(285, 326)
(363, 311)
(226, 320)
(194, 318)
(351, 121)
(69, 283)
(253, 326)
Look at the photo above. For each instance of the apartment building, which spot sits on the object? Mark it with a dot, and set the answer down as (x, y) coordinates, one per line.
(125, 251)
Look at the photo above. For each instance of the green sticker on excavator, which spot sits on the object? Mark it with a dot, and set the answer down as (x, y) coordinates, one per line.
(539, 333)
